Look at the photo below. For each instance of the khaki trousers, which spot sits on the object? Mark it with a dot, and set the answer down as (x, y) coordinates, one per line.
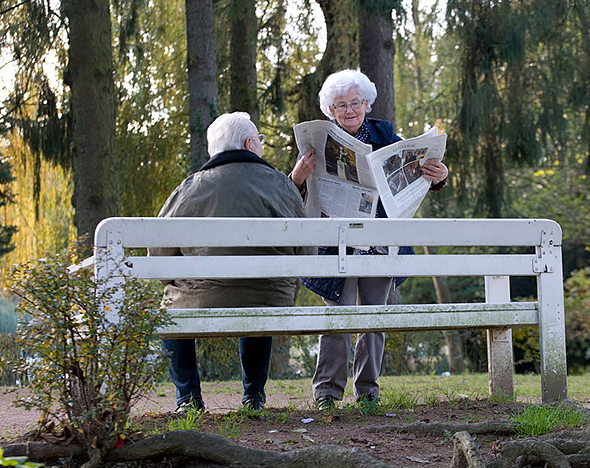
(331, 371)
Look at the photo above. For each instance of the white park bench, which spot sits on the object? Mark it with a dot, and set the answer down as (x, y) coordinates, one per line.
(540, 240)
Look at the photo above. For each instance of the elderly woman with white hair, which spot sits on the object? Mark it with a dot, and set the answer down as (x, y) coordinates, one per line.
(345, 98)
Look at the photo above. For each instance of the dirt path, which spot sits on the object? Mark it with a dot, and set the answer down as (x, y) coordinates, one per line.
(219, 399)
(291, 422)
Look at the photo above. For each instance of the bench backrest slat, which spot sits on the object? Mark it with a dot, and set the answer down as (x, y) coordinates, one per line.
(169, 268)
(183, 232)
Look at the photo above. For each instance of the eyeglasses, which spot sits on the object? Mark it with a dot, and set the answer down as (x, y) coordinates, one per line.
(354, 105)
(261, 138)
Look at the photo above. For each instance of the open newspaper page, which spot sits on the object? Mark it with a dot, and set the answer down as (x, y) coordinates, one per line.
(342, 185)
(397, 174)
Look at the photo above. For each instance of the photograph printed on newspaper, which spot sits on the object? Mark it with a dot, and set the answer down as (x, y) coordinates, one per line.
(350, 178)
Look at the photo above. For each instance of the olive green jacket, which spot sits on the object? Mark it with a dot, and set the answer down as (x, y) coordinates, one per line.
(232, 184)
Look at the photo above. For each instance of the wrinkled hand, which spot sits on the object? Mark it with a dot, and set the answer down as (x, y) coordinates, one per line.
(304, 168)
(435, 170)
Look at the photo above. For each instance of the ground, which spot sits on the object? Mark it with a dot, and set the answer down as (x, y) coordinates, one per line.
(291, 422)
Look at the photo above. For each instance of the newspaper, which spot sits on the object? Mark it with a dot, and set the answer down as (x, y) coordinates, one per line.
(342, 185)
(350, 177)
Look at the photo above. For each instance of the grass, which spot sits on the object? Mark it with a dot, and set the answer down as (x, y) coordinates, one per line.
(534, 420)
(398, 398)
(230, 426)
(404, 396)
(191, 420)
(407, 390)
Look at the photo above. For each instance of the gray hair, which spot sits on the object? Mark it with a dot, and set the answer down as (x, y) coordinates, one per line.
(230, 132)
(339, 83)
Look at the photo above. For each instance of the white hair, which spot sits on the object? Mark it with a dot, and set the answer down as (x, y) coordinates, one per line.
(230, 132)
(339, 83)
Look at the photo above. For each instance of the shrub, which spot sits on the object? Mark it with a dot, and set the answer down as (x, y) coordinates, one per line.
(10, 353)
(86, 372)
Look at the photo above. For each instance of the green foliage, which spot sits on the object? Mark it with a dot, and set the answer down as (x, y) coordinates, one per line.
(525, 342)
(412, 352)
(152, 109)
(577, 321)
(6, 231)
(560, 191)
(192, 420)
(84, 371)
(45, 224)
(536, 420)
(369, 407)
(10, 353)
(577, 329)
(288, 50)
(218, 358)
(18, 462)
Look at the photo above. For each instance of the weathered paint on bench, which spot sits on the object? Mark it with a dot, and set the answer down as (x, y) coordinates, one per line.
(498, 314)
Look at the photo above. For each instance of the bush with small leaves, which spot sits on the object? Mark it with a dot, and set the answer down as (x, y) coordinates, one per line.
(83, 371)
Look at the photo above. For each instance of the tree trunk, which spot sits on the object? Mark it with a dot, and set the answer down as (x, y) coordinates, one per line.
(90, 77)
(202, 77)
(243, 35)
(341, 52)
(582, 11)
(377, 50)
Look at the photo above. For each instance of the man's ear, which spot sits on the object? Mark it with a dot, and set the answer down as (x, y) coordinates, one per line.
(248, 144)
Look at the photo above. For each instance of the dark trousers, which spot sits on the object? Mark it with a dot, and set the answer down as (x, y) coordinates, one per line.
(184, 373)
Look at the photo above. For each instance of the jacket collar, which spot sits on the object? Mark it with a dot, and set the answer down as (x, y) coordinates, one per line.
(374, 136)
(233, 156)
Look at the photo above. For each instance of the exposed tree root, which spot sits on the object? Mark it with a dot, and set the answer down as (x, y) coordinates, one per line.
(534, 448)
(563, 449)
(42, 451)
(465, 453)
(211, 448)
(437, 428)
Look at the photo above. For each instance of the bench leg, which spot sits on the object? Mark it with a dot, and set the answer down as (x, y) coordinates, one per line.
(500, 354)
(552, 336)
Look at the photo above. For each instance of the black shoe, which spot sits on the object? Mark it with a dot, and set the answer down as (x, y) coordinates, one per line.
(368, 398)
(253, 404)
(195, 404)
(326, 402)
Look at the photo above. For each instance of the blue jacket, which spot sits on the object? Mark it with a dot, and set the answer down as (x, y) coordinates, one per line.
(380, 134)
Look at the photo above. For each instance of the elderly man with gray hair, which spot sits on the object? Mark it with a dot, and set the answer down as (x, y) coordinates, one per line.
(234, 182)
